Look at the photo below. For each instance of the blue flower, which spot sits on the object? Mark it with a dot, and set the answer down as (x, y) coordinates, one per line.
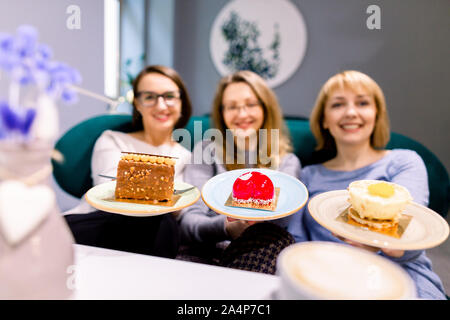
(29, 63)
(17, 52)
(3, 131)
(69, 96)
(61, 77)
(8, 117)
(25, 43)
(15, 120)
(7, 58)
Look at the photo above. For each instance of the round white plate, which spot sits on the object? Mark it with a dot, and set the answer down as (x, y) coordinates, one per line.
(293, 195)
(102, 197)
(427, 229)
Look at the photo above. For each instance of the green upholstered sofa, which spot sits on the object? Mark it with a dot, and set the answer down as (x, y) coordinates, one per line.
(74, 174)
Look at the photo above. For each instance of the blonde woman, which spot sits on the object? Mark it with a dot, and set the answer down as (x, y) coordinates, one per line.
(350, 122)
(261, 111)
(243, 106)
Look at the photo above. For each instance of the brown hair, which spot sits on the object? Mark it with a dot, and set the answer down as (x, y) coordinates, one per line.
(352, 80)
(273, 117)
(186, 106)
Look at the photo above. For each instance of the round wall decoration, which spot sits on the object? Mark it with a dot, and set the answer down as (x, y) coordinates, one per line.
(268, 37)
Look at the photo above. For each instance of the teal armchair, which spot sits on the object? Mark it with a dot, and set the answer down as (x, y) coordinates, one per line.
(74, 174)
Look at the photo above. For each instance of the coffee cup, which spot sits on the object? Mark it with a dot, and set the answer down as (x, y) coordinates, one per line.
(327, 270)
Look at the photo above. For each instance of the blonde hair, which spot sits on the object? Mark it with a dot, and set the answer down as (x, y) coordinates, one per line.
(353, 80)
(273, 117)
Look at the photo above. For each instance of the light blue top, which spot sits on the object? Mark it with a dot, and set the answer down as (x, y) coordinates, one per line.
(404, 167)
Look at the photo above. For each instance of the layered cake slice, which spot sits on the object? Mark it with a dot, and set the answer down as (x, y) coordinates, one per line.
(253, 190)
(145, 177)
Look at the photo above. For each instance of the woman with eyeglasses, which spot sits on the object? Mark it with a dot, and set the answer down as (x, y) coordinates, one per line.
(161, 104)
(243, 105)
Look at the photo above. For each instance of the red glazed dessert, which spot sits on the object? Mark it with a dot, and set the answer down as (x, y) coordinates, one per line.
(253, 189)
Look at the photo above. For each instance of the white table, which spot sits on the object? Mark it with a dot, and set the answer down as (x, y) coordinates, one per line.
(108, 274)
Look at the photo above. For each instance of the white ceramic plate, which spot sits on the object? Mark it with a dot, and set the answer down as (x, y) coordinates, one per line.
(102, 197)
(293, 195)
(427, 229)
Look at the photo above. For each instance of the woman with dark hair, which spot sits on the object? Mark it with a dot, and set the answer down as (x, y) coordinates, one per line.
(177, 96)
(161, 104)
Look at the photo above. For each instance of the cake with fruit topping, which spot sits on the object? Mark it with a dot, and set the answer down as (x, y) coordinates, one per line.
(145, 177)
(253, 190)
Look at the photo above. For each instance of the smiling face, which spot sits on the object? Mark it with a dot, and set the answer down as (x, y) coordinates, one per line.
(241, 108)
(160, 116)
(350, 116)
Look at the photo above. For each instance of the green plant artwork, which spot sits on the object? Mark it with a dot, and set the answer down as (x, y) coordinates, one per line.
(244, 51)
(127, 70)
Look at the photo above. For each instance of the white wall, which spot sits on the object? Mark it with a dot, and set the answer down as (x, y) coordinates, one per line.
(82, 49)
(161, 26)
(132, 43)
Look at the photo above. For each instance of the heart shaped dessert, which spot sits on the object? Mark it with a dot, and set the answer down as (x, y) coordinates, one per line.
(253, 189)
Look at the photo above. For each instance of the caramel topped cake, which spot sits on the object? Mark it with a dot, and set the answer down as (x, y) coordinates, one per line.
(145, 177)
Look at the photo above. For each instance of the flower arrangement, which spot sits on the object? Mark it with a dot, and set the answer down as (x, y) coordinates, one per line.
(36, 81)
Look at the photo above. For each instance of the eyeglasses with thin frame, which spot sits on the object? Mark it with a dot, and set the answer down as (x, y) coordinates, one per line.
(235, 109)
(149, 99)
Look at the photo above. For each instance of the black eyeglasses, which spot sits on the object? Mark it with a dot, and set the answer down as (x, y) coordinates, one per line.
(150, 99)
